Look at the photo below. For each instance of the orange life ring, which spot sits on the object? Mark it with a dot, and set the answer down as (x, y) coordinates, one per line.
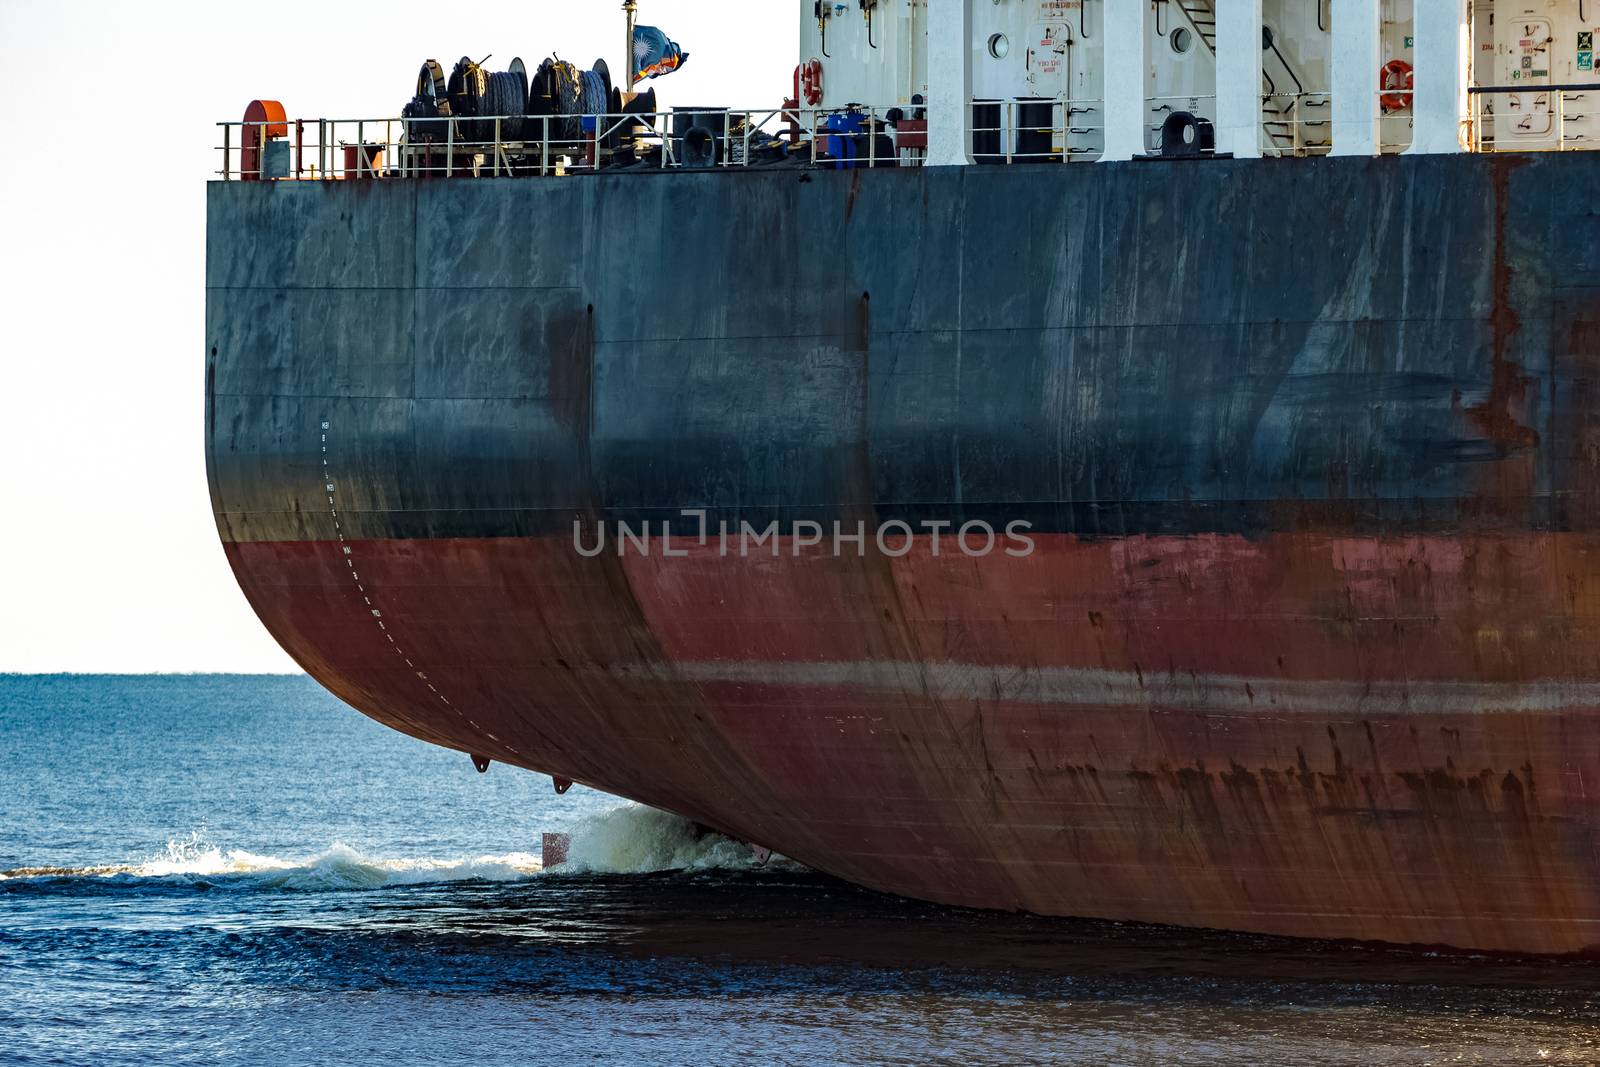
(1395, 81)
(810, 89)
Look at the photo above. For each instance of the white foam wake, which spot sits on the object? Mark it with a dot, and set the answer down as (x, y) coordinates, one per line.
(195, 859)
(633, 839)
(628, 839)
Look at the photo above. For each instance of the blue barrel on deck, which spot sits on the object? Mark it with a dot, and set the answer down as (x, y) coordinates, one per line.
(844, 139)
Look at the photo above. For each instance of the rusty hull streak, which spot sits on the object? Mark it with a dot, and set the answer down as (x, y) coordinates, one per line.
(1311, 641)
(1499, 414)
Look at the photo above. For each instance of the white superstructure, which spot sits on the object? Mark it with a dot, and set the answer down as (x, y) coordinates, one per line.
(1267, 73)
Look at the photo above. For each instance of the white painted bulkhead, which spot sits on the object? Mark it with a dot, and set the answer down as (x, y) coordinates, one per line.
(1056, 51)
(1539, 43)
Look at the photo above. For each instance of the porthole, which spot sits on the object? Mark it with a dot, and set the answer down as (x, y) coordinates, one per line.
(999, 46)
(1182, 40)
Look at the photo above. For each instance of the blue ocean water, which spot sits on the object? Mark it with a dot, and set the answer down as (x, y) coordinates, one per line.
(243, 870)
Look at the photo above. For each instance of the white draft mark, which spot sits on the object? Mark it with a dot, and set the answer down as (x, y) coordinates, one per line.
(331, 487)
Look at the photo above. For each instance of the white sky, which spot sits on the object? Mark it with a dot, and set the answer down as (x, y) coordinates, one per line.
(109, 559)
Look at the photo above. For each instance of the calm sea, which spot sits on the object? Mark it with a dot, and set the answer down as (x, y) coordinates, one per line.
(243, 870)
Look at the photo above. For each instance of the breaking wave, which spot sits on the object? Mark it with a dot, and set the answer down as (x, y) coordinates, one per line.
(629, 839)
(196, 861)
(633, 839)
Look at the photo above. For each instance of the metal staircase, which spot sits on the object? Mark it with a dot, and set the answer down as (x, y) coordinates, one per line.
(1203, 20)
(1280, 114)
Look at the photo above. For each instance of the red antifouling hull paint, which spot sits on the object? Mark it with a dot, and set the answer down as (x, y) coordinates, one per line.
(1268, 734)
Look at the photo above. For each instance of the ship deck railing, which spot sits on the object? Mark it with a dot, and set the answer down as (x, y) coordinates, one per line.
(1296, 124)
(1559, 118)
(1013, 131)
(499, 146)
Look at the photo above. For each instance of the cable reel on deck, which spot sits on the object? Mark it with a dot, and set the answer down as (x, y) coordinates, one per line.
(431, 82)
(632, 136)
(556, 91)
(431, 102)
(468, 84)
(594, 92)
(506, 98)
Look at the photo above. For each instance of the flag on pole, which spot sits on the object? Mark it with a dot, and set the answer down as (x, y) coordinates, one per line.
(654, 54)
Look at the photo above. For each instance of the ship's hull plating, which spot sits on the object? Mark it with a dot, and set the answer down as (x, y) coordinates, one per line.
(1309, 639)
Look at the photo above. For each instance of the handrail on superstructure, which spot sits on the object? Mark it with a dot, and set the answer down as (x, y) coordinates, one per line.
(1479, 90)
(1558, 137)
